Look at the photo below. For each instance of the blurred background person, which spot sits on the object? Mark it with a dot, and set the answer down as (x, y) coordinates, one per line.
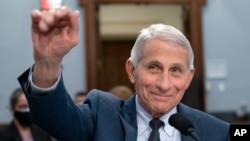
(122, 91)
(21, 127)
(80, 97)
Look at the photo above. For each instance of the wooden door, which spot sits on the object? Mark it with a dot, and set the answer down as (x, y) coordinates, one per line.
(114, 56)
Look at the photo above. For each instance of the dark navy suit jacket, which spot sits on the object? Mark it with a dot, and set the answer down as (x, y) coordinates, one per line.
(104, 117)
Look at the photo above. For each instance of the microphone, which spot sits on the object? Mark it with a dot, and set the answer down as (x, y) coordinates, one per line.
(183, 124)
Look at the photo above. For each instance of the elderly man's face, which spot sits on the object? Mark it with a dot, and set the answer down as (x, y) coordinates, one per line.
(161, 77)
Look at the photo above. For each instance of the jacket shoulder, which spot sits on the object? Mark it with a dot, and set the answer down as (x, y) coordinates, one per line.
(104, 98)
(206, 125)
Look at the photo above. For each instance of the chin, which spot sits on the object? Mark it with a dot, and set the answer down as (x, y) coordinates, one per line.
(157, 114)
(159, 111)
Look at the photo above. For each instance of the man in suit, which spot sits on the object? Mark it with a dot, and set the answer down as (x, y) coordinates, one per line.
(160, 66)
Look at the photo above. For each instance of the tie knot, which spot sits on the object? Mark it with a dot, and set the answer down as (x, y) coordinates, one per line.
(155, 124)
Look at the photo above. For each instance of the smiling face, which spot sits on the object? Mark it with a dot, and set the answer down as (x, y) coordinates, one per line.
(161, 77)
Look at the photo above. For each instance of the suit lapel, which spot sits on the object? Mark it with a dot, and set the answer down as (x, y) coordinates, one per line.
(128, 118)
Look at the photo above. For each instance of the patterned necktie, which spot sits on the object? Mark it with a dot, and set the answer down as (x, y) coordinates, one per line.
(155, 124)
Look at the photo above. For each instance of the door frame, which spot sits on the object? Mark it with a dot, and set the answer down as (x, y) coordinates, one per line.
(93, 63)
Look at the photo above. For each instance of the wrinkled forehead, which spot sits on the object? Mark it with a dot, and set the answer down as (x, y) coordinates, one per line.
(159, 45)
(165, 50)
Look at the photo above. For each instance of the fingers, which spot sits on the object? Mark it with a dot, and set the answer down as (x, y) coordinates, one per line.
(49, 17)
(63, 12)
(35, 17)
(75, 21)
(46, 20)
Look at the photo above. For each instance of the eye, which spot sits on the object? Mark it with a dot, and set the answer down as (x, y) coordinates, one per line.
(154, 68)
(175, 69)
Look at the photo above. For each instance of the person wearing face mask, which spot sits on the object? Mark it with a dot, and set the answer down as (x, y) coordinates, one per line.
(21, 127)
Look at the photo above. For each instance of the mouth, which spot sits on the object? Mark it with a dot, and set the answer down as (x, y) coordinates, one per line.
(161, 97)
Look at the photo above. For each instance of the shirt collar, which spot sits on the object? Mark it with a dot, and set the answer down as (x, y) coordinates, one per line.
(143, 119)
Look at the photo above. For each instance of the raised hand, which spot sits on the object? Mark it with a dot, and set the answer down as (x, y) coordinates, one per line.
(54, 34)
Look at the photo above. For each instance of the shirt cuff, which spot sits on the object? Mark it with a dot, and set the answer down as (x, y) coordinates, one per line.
(38, 90)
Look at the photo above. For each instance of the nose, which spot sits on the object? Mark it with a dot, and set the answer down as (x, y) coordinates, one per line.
(163, 82)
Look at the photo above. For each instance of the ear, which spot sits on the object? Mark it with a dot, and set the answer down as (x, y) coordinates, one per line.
(130, 71)
(190, 77)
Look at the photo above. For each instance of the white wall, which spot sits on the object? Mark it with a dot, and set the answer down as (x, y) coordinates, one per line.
(16, 51)
(226, 26)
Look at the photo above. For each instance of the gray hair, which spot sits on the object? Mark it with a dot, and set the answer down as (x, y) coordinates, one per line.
(164, 32)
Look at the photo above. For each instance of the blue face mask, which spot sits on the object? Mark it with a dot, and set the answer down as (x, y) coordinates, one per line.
(23, 118)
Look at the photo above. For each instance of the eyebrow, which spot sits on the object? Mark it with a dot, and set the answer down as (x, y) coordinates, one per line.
(178, 65)
(155, 62)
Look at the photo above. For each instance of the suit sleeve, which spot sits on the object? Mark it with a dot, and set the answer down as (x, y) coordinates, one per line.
(57, 114)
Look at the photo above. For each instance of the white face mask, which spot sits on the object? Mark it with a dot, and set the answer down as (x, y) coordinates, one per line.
(24, 110)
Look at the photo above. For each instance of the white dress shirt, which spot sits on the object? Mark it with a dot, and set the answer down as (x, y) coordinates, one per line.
(167, 132)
